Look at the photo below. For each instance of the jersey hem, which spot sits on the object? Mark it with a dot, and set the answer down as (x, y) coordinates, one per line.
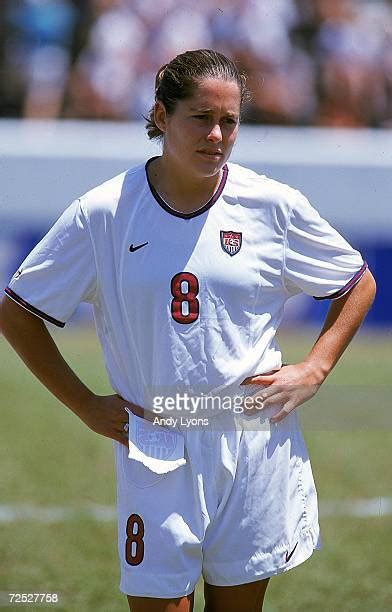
(263, 576)
(35, 311)
(176, 595)
(208, 577)
(310, 542)
(159, 579)
(353, 281)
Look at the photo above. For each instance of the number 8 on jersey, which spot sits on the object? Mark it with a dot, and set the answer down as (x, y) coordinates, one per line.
(185, 306)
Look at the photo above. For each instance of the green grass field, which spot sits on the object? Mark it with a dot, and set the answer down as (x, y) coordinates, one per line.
(49, 458)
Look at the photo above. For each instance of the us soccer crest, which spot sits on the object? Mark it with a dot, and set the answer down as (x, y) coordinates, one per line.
(231, 242)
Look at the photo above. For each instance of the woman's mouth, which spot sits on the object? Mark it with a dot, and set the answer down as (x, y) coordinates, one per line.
(212, 155)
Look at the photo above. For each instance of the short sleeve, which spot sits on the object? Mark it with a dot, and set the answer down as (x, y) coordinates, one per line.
(317, 259)
(60, 272)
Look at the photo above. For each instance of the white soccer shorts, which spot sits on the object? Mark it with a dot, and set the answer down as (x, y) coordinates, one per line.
(240, 506)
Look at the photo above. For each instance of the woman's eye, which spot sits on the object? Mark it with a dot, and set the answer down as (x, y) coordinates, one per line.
(227, 120)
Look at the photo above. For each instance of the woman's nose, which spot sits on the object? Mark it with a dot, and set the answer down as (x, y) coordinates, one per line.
(215, 134)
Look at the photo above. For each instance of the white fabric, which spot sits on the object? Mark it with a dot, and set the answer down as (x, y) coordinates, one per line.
(159, 449)
(232, 500)
(286, 248)
(60, 272)
(243, 502)
(318, 261)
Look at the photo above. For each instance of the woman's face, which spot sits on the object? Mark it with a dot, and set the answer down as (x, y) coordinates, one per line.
(199, 135)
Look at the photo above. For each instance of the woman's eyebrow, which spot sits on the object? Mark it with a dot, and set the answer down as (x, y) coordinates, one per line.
(200, 109)
(210, 110)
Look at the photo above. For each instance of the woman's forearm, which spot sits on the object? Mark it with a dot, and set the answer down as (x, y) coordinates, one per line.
(28, 335)
(344, 318)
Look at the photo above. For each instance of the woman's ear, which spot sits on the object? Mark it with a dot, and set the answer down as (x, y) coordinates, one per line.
(160, 116)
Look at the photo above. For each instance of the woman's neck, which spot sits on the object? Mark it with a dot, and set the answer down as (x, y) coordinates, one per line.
(181, 192)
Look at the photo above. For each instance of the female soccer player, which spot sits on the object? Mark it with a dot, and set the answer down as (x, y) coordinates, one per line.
(188, 261)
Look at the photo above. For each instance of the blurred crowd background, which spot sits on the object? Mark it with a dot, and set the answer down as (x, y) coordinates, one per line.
(309, 62)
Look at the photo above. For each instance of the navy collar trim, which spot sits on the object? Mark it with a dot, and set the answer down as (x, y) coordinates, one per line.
(197, 212)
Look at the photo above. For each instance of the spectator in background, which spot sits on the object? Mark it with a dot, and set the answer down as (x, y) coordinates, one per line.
(105, 73)
(172, 29)
(37, 52)
(3, 75)
(387, 68)
(323, 62)
(349, 46)
(281, 76)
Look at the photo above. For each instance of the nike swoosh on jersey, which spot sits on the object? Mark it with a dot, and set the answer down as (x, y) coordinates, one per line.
(132, 248)
(288, 556)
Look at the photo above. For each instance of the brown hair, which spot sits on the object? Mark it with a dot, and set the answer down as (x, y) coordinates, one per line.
(178, 80)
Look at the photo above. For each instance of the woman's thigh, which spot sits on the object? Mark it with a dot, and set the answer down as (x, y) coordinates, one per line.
(152, 604)
(245, 597)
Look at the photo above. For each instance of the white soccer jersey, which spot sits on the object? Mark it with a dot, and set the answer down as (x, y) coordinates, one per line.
(185, 299)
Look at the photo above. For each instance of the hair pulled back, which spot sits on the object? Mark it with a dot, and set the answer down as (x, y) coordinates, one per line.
(178, 80)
